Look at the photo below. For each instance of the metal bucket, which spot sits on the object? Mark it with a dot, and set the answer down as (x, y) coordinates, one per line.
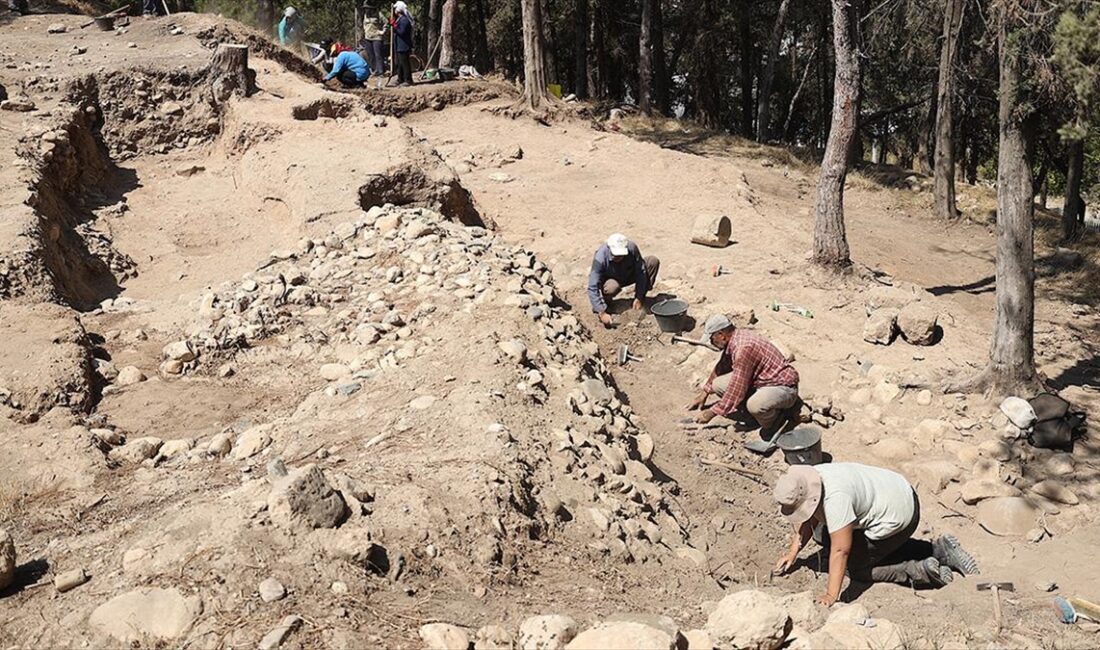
(801, 446)
(105, 23)
(670, 315)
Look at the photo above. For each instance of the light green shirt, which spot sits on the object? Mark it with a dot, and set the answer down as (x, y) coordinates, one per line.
(875, 500)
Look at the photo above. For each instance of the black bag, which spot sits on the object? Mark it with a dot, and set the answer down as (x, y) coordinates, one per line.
(1056, 426)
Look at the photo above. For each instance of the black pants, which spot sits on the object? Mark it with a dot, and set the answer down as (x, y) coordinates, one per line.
(376, 57)
(18, 5)
(149, 7)
(611, 287)
(404, 68)
(349, 80)
(896, 559)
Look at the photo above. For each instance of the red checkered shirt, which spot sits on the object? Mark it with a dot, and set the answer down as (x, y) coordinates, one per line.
(753, 362)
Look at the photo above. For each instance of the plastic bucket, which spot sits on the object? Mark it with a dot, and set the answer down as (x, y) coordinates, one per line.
(105, 23)
(670, 315)
(801, 446)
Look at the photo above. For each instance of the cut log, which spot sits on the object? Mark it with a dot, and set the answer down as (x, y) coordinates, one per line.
(712, 231)
(229, 73)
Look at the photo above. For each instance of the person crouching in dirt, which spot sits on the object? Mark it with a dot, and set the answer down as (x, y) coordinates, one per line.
(618, 263)
(327, 51)
(403, 27)
(350, 68)
(19, 7)
(870, 515)
(751, 377)
(292, 28)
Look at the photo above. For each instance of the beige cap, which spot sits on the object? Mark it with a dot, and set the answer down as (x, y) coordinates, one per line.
(798, 493)
(619, 245)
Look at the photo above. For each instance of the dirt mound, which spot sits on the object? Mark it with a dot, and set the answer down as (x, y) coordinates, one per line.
(45, 361)
(403, 101)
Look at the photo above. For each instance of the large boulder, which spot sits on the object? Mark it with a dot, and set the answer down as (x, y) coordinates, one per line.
(1007, 516)
(7, 559)
(443, 636)
(917, 323)
(146, 616)
(623, 635)
(546, 632)
(304, 499)
(881, 326)
(749, 620)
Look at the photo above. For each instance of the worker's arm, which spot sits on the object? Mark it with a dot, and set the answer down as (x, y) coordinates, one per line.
(595, 291)
(740, 383)
(338, 66)
(641, 279)
(840, 547)
(801, 535)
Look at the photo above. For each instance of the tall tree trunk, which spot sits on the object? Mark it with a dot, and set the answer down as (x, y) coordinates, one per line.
(645, 58)
(764, 101)
(1073, 208)
(944, 167)
(580, 49)
(660, 70)
(706, 86)
(1011, 369)
(265, 11)
(598, 63)
(483, 58)
(830, 248)
(748, 50)
(433, 30)
(447, 34)
(534, 61)
(549, 49)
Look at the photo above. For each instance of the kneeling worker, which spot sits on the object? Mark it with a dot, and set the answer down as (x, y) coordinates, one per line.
(350, 68)
(870, 515)
(751, 375)
(617, 264)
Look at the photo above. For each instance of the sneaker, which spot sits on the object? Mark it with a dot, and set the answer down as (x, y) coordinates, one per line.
(948, 551)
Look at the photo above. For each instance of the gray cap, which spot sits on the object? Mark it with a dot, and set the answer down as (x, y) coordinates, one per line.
(716, 323)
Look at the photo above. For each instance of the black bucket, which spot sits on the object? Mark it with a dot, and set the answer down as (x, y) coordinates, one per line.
(670, 315)
(105, 23)
(801, 446)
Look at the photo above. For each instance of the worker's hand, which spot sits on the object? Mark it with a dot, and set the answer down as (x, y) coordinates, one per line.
(698, 402)
(605, 318)
(704, 417)
(784, 564)
(827, 599)
(638, 304)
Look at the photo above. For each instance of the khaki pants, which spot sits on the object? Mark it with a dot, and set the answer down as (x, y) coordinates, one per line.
(765, 404)
(611, 288)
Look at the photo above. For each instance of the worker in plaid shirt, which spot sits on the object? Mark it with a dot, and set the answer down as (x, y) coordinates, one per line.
(752, 375)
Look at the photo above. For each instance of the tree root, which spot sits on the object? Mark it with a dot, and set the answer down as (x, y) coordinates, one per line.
(997, 383)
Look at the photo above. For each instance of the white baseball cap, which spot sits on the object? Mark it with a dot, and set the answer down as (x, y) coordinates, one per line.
(290, 12)
(618, 244)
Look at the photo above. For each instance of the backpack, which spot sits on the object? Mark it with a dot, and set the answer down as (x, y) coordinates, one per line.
(1056, 425)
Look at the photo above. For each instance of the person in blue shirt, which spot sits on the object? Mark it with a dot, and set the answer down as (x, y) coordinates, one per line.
(291, 28)
(403, 28)
(617, 264)
(350, 68)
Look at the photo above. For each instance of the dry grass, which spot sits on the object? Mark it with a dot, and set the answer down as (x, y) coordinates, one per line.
(20, 497)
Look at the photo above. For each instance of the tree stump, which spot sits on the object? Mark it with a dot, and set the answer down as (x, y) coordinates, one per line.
(712, 231)
(229, 73)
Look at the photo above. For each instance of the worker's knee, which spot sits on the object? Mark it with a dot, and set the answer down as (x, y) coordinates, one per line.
(611, 288)
(652, 264)
(720, 384)
(769, 401)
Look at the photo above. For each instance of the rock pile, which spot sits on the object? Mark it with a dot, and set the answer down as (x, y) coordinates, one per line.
(893, 311)
(746, 620)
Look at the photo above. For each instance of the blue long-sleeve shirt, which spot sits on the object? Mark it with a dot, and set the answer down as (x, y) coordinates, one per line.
(349, 61)
(403, 31)
(630, 270)
(290, 32)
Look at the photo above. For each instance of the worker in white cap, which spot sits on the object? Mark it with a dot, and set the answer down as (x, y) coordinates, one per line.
(751, 377)
(870, 515)
(292, 28)
(618, 263)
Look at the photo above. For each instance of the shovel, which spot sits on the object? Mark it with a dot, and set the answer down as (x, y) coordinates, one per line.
(763, 447)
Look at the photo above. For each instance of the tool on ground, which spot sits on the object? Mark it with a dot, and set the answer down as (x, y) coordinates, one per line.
(691, 424)
(719, 270)
(114, 14)
(996, 588)
(764, 446)
(700, 342)
(624, 355)
(794, 309)
(1071, 609)
(733, 468)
